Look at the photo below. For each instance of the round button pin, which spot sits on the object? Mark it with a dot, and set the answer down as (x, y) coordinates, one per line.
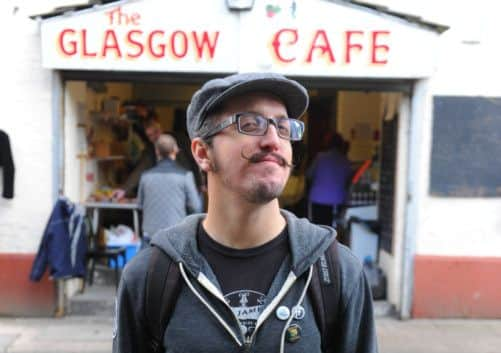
(299, 312)
(283, 313)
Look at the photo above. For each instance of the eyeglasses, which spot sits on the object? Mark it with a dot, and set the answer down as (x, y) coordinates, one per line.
(257, 125)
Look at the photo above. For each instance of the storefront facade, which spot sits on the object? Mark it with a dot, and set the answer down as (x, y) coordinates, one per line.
(349, 49)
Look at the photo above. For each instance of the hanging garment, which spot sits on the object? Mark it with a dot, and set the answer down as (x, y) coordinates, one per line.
(7, 163)
(64, 244)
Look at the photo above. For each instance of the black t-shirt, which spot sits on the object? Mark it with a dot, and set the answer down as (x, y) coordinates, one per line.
(245, 275)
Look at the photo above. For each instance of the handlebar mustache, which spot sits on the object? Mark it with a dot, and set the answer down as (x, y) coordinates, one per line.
(260, 156)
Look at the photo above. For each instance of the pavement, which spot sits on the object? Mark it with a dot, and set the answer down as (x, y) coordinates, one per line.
(72, 334)
(87, 327)
(438, 336)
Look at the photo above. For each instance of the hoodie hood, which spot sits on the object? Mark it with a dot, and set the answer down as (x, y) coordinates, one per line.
(307, 242)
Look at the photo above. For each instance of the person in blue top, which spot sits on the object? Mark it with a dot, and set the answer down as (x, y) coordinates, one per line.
(328, 178)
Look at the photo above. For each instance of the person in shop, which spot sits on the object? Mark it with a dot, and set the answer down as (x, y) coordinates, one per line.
(246, 267)
(167, 192)
(328, 178)
(146, 161)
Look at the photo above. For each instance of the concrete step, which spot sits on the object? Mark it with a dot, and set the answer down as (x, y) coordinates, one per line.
(96, 300)
(104, 275)
(382, 308)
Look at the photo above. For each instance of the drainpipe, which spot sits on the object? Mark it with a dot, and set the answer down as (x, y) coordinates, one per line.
(57, 135)
(57, 168)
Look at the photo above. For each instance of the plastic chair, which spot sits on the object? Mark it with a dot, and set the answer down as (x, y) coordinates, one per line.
(95, 251)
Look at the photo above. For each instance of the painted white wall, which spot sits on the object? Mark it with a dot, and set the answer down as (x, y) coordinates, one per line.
(468, 66)
(460, 227)
(27, 118)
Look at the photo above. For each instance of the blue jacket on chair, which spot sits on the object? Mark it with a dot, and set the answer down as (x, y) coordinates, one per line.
(63, 244)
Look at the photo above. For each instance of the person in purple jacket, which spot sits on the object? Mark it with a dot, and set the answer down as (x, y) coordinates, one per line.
(328, 177)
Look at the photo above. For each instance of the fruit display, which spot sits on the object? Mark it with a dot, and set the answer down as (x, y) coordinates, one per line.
(103, 194)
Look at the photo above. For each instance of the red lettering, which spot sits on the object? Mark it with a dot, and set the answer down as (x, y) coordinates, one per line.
(134, 19)
(379, 47)
(174, 44)
(72, 49)
(350, 45)
(156, 54)
(323, 45)
(85, 53)
(133, 42)
(205, 42)
(276, 43)
(111, 14)
(110, 43)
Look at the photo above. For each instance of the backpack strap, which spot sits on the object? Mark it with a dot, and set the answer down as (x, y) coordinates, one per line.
(163, 285)
(325, 293)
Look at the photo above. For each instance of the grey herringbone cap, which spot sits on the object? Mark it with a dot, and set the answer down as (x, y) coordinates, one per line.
(216, 91)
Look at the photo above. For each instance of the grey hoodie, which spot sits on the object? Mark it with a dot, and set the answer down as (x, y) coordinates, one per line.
(202, 321)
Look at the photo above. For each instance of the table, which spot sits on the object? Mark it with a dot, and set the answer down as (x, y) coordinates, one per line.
(96, 207)
(363, 242)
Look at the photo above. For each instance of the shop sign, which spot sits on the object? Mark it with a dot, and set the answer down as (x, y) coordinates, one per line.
(135, 37)
(334, 39)
(340, 41)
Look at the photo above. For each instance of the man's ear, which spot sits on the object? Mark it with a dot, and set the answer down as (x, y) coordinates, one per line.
(201, 153)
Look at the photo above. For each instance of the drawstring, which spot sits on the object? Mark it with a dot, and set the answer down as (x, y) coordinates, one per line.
(218, 317)
(291, 317)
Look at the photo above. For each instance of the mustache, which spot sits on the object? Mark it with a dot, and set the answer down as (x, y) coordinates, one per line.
(260, 156)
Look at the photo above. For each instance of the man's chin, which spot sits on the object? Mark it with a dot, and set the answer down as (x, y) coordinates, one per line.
(263, 193)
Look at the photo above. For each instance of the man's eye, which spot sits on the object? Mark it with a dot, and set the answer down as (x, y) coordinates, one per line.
(284, 126)
(249, 125)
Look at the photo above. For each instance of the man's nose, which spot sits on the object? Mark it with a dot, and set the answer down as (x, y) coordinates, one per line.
(271, 140)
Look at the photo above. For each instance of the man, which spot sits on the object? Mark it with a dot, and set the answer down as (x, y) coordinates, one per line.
(246, 265)
(167, 192)
(147, 160)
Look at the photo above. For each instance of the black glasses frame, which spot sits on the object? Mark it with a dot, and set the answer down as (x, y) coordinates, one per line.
(234, 119)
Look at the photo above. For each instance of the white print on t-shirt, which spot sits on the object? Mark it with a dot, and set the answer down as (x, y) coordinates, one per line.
(246, 305)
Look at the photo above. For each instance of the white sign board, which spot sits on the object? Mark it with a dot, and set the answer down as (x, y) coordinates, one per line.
(295, 37)
(331, 39)
(181, 36)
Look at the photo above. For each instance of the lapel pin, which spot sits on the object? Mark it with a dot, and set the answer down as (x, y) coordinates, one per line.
(299, 312)
(293, 333)
(283, 312)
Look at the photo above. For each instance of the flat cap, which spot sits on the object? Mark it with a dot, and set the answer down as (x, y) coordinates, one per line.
(219, 90)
